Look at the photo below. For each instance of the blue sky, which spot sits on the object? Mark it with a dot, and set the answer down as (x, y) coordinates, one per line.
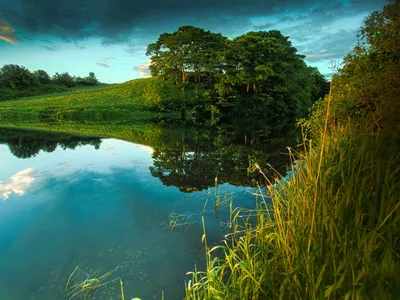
(109, 37)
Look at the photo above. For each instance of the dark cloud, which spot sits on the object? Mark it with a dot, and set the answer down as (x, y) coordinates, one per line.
(51, 47)
(102, 65)
(105, 61)
(114, 20)
(319, 30)
(79, 46)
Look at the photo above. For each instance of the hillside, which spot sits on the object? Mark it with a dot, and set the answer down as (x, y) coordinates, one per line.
(138, 95)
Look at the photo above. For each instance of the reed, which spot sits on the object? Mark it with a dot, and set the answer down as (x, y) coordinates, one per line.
(332, 230)
(91, 282)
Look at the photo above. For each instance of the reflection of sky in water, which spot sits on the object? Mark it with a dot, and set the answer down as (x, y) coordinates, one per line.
(99, 209)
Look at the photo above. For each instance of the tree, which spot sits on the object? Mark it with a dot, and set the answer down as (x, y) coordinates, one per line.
(64, 79)
(256, 72)
(16, 77)
(89, 80)
(43, 77)
(188, 55)
(368, 83)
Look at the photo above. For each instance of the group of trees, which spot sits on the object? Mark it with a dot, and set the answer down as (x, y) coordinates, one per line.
(366, 88)
(26, 144)
(18, 77)
(367, 85)
(257, 71)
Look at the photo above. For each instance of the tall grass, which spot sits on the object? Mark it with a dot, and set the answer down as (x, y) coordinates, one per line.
(332, 230)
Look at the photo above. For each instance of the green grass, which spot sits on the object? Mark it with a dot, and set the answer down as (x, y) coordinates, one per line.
(332, 231)
(44, 90)
(139, 95)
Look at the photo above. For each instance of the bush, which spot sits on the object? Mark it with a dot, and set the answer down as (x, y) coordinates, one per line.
(64, 79)
(41, 89)
(89, 80)
(42, 76)
(17, 77)
(367, 86)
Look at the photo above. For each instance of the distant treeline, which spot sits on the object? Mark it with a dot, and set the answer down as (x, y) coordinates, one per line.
(255, 72)
(17, 81)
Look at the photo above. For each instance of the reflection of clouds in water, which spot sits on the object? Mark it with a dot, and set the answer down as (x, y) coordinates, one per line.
(19, 183)
(148, 149)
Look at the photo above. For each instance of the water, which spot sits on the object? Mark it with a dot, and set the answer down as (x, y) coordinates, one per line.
(105, 203)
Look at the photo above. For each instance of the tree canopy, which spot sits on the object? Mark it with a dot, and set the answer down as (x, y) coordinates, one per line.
(255, 71)
(17, 81)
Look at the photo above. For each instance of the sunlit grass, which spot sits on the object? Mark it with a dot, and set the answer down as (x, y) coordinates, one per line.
(332, 230)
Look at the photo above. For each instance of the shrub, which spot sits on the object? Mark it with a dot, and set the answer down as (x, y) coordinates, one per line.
(16, 77)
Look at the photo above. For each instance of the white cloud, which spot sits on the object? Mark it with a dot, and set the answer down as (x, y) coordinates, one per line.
(143, 69)
(19, 183)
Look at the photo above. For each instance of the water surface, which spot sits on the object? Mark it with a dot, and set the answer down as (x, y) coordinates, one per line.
(102, 203)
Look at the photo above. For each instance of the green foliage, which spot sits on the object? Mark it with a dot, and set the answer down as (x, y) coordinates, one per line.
(17, 81)
(16, 77)
(42, 76)
(190, 54)
(239, 76)
(64, 79)
(331, 231)
(367, 86)
(89, 80)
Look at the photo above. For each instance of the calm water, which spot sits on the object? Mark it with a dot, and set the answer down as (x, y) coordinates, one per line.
(103, 203)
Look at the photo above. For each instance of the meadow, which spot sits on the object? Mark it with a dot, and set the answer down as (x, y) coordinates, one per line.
(147, 96)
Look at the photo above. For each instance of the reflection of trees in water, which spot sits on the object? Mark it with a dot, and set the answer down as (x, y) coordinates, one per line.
(188, 156)
(26, 144)
(201, 156)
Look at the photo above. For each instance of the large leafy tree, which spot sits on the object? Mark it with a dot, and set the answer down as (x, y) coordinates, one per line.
(190, 54)
(262, 60)
(265, 65)
(258, 71)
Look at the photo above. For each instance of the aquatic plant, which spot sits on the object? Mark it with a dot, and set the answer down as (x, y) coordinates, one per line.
(92, 282)
(180, 220)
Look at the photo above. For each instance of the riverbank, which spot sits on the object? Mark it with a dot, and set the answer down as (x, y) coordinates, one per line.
(332, 230)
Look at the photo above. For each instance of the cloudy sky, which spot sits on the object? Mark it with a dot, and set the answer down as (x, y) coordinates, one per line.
(109, 37)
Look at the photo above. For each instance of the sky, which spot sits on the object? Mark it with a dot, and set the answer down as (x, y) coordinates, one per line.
(110, 37)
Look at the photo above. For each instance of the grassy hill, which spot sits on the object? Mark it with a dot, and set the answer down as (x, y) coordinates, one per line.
(140, 95)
